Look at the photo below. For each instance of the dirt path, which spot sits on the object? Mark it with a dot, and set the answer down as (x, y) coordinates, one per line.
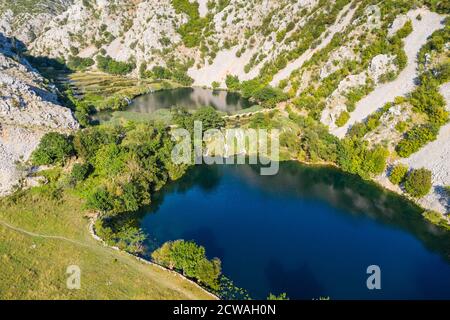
(342, 23)
(43, 236)
(404, 83)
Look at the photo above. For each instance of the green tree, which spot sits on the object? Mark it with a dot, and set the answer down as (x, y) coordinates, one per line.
(215, 85)
(190, 259)
(209, 117)
(398, 174)
(342, 119)
(418, 182)
(54, 148)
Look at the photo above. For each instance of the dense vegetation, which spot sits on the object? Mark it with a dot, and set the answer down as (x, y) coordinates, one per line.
(174, 70)
(190, 259)
(109, 65)
(264, 94)
(192, 30)
(426, 98)
(351, 154)
(54, 148)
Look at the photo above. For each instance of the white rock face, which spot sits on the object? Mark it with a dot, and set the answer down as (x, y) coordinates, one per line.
(380, 65)
(27, 111)
(405, 82)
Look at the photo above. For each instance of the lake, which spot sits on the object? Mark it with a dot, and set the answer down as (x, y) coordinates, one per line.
(190, 98)
(310, 232)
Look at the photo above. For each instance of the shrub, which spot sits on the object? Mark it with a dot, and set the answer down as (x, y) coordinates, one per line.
(398, 174)
(375, 160)
(342, 119)
(215, 85)
(405, 30)
(80, 172)
(418, 182)
(281, 296)
(54, 148)
(415, 138)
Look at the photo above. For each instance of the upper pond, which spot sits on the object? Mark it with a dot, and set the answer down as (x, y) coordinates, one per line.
(306, 231)
(190, 98)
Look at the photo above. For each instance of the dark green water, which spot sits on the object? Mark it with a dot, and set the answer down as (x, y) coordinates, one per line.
(190, 98)
(309, 232)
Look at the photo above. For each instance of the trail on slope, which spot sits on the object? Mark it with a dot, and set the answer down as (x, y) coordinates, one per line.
(43, 236)
(339, 26)
(404, 83)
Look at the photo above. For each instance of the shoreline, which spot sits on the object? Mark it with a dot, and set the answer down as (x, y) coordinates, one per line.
(91, 228)
(383, 182)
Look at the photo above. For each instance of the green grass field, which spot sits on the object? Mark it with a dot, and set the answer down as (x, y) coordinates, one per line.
(33, 264)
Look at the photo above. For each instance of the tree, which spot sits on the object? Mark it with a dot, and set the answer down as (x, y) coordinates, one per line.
(418, 182)
(190, 259)
(375, 160)
(398, 174)
(232, 83)
(54, 148)
(342, 119)
(100, 200)
(215, 85)
(209, 117)
(208, 272)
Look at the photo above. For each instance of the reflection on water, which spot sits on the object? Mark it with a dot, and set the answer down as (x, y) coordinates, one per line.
(190, 98)
(307, 231)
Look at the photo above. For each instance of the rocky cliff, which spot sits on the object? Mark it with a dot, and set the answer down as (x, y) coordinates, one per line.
(28, 109)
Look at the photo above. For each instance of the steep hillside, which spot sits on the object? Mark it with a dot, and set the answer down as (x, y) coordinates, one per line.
(28, 109)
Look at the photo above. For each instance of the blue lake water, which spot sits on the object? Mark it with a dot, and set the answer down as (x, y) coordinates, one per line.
(309, 232)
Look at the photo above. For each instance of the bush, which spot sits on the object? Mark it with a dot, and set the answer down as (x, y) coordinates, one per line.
(342, 119)
(54, 148)
(415, 138)
(405, 30)
(418, 182)
(215, 85)
(398, 174)
(80, 172)
(281, 296)
(121, 232)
